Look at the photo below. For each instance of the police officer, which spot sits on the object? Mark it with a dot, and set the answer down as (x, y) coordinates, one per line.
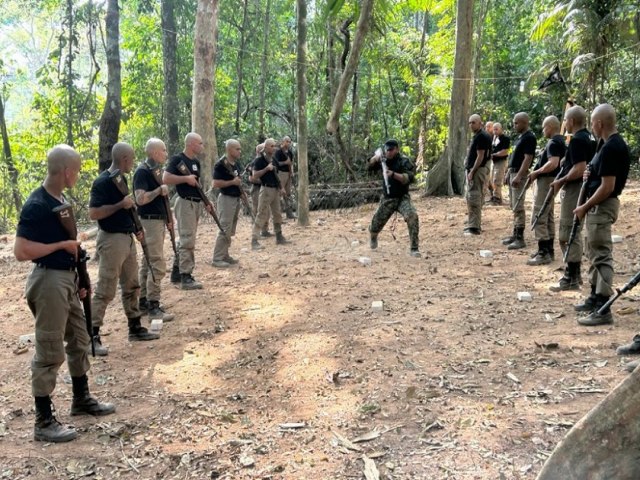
(264, 169)
(543, 174)
(579, 152)
(519, 163)
(477, 171)
(187, 205)
(284, 158)
(149, 190)
(499, 153)
(116, 247)
(226, 177)
(53, 298)
(400, 173)
(606, 177)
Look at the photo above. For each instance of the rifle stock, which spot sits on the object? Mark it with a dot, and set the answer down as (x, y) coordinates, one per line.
(522, 194)
(65, 215)
(167, 208)
(576, 221)
(620, 291)
(118, 180)
(547, 201)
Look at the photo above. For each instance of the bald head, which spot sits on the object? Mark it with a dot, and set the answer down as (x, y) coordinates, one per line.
(269, 147)
(152, 145)
(61, 157)
(193, 144)
(122, 157)
(521, 122)
(550, 126)
(232, 149)
(475, 122)
(603, 121)
(575, 118)
(497, 128)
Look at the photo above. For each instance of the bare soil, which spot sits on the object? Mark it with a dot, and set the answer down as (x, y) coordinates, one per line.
(455, 378)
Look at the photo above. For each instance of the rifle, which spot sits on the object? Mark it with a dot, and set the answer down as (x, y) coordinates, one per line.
(64, 213)
(620, 291)
(576, 221)
(182, 167)
(522, 194)
(547, 201)
(243, 195)
(118, 181)
(385, 169)
(167, 208)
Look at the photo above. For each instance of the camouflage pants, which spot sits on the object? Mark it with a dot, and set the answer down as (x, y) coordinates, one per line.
(546, 226)
(599, 245)
(475, 198)
(403, 205)
(568, 202)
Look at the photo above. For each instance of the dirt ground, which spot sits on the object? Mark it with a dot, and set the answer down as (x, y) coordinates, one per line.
(280, 368)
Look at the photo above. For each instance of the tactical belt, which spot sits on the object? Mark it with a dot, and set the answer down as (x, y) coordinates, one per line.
(152, 216)
(48, 267)
(191, 199)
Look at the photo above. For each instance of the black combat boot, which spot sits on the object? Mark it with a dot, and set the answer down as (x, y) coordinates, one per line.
(570, 280)
(255, 245)
(596, 318)
(101, 350)
(266, 233)
(280, 240)
(187, 282)
(509, 239)
(518, 241)
(589, 304)
(143, 305)
(137, 333)
(632, 348)
(47, 427)
(550, 248)
(157, 312)
(175, 272)
(542, 257)
(83, 403)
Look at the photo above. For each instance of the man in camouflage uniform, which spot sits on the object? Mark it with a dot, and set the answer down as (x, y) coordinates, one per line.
(400, 172)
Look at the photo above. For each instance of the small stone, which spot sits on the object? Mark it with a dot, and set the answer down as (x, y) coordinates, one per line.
(366, 261)
(355, 243)
(156, 325)
(616, 238)
(377, 306)
(247, 461)
(524, 296)
(486, 253)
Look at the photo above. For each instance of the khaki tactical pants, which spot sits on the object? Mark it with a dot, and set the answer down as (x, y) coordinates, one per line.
(497, 177)
(402, 205)
(154, 236)
(118, 264)
(475, 197)
(568, 202)
(255, 196)
(546, 226)
(286, 184)
(599, 246)
(269, 199)
(519, 216)
(228, 211)
(53, 300)
(187, 216)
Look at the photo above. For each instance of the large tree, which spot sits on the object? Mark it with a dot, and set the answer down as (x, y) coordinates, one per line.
(112, 113)
(204, 56)
(447, 175)
(170, 66)
(301, 81)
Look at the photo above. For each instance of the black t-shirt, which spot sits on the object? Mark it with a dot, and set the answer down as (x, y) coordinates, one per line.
(612, 160)
(269, 179)
(39, 223)
(149, 179)
(581, 149)
(555, 148)
(105, 192)
(193, 167)
(398, 164)
(525, 145)
(501, 142)
(281, 156)
(481, 141)
(224, 171)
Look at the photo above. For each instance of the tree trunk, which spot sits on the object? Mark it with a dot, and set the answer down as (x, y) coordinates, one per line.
(447, 176)
(333, 124)
(477, 53)
(301, 81)
(263, 73)
(170, 68)
(240, 63)
(203, 83)
(69, 72)
(112, 113)
(8, 160)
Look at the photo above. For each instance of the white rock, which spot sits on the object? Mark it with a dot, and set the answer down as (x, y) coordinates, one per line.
(486, 253)
(355, 243)
(28, 338)
(524, 296)
(156, 325)
(364, 261)
(616, 238)
(377, 306)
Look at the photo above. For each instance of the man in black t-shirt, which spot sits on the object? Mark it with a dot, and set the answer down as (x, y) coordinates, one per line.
(149, 190)
(499, 153)
(116, 247)
(543, 174)
(477, 171)
(284, 159)
(54, 299)
(187, 206)
(400, 173)
(255, 188)
(606, 177)
(579, 152)
(226, 177)
(265, 169)
(519, 163)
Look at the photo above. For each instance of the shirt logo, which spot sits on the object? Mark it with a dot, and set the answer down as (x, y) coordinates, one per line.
(194, 168)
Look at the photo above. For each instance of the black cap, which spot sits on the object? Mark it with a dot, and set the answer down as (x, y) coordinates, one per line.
(390, 144)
